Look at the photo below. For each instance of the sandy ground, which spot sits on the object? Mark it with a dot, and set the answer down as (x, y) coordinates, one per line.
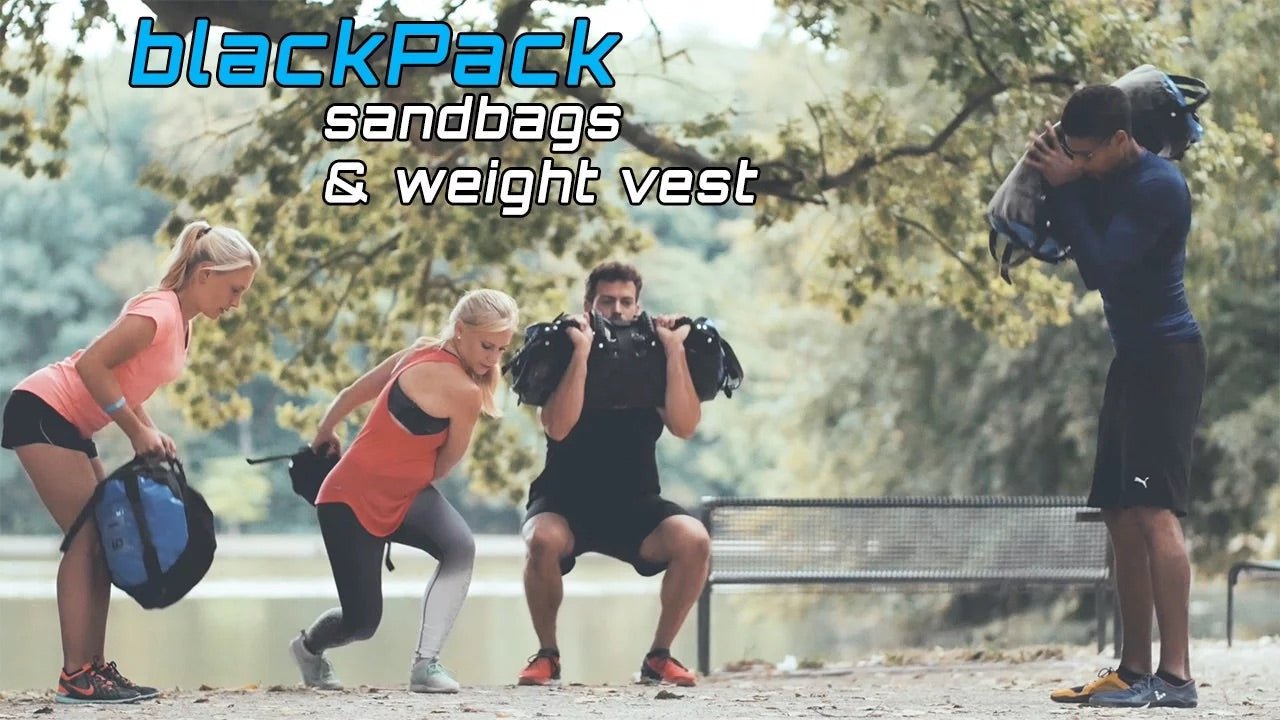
(1238, 682)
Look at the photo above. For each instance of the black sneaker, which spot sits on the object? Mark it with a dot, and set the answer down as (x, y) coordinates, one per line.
(112, 673)
(87, 685)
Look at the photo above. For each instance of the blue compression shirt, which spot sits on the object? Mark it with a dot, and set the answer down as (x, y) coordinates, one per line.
(1128, 234)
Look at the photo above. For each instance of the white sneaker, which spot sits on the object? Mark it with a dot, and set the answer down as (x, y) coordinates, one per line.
(429, 676)
(317, 672)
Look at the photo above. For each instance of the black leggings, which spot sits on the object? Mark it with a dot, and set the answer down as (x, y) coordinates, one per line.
(355, 556)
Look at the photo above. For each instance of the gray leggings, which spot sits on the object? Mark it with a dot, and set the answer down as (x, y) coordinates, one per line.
(355, 556)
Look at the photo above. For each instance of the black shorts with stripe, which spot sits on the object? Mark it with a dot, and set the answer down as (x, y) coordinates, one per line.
(29, 420)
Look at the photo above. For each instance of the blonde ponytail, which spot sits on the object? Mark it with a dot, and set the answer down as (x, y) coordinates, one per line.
(220, 249)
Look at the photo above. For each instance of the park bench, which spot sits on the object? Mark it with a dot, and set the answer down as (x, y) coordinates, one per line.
(905, 543)
(1267, 568)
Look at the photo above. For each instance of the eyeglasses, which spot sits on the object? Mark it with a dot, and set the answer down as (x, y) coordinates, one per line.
(1084, 156)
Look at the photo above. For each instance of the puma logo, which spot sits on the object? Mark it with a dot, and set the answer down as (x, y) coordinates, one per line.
(1141, 481)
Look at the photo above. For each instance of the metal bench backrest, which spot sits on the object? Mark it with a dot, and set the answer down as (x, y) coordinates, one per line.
(945, 540)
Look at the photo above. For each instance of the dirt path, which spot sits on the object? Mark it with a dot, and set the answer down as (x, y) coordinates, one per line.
(1240, 682)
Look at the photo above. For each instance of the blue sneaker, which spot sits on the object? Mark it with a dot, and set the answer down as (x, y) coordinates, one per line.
(1150, 691)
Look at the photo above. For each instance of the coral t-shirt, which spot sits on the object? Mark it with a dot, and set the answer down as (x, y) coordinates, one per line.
(160, 363)
(387, 465)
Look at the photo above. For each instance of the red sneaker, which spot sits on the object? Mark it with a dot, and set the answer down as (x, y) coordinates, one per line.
(543, 669)
(659, 669)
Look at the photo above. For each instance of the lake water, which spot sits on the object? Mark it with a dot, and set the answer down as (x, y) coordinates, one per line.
(234, 628)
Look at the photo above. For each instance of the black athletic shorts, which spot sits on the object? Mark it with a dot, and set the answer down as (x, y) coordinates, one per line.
(1147, 427)
(28, 420)
(614, 527)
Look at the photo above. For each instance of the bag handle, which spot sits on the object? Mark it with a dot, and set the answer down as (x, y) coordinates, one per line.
(175, 477)
(1193, 89)
(287, 456)
(269, 458)
(82, 517)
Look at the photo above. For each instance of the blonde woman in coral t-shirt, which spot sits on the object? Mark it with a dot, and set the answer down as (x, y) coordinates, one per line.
(51, 416)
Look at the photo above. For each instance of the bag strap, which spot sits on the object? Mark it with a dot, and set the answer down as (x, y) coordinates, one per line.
(1006, 262)
(733, 369)
(176, 477)
(597, 325)
(149, 557)
(650, 324)
(82, 517)
(731, 379)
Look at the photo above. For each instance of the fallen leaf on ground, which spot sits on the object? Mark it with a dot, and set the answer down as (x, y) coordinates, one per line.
(667, 695)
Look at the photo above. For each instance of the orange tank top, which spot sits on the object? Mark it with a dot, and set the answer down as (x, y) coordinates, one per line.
(387, 465)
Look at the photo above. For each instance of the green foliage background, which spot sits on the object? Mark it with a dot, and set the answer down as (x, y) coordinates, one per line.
(884, 356)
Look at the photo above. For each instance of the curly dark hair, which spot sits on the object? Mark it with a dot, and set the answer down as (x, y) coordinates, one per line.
(612, 271)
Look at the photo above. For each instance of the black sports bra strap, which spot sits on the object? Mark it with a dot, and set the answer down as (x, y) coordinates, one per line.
(410, 416)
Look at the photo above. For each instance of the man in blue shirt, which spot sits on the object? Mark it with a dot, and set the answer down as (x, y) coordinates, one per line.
(1126, 213)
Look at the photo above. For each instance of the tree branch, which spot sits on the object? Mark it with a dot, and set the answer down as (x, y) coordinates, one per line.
(663, 57)
(869, 160)
(320, 335)
(179, 16)
(946, 246)
(822, 147)
(334, 259)
(512, 18)
(424, 279)
(977, 46)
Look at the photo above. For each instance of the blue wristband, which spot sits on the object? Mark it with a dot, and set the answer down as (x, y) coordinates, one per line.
(114, 407)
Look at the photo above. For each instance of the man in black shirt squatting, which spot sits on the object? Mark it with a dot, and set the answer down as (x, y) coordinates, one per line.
(599, 490)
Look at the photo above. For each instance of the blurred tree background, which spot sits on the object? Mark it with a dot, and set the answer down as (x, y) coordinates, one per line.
(883, 354)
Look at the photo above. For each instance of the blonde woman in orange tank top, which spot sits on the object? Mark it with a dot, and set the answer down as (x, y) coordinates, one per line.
(427, 399)
(51, 416)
